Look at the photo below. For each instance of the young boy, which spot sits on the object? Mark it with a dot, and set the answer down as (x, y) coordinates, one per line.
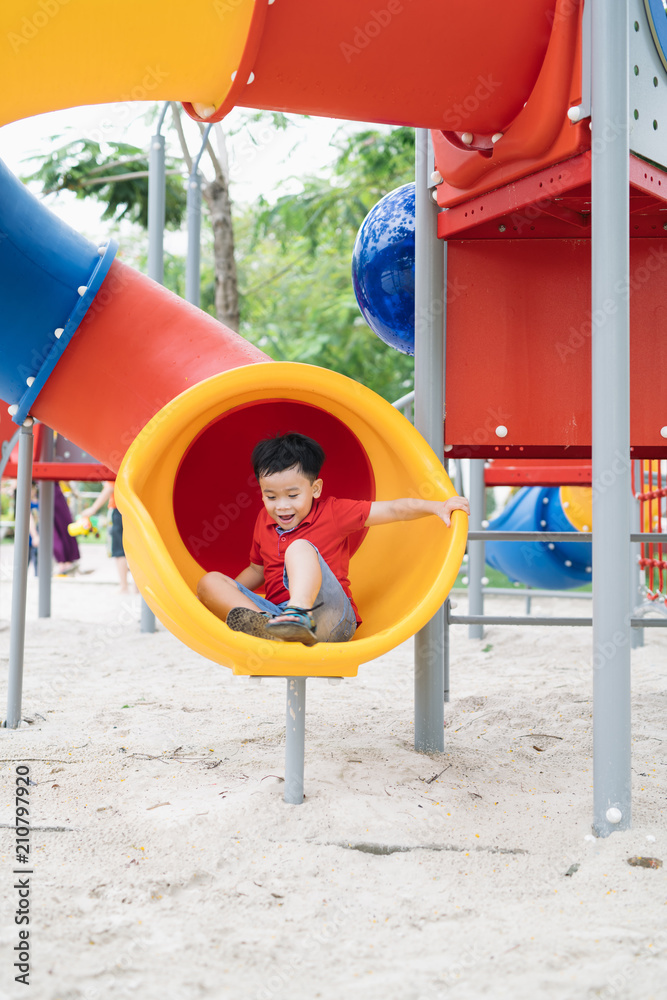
(300, 549)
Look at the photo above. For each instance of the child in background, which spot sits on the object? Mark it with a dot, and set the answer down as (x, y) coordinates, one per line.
(106, 495)
(65, 548)
(300, 549)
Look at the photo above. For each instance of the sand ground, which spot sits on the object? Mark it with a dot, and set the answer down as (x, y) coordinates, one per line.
(165, 863)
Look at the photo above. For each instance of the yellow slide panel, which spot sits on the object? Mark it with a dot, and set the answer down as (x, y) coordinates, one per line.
(65, 53)
(400, 575)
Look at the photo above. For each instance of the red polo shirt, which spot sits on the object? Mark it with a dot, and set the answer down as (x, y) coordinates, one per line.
(328, 526)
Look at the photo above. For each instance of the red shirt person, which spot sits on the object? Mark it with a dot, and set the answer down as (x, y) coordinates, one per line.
(328, 527)
(300, 551)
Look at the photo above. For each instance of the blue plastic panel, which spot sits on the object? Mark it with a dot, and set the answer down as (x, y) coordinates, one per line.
(43, 265)
(535, 563)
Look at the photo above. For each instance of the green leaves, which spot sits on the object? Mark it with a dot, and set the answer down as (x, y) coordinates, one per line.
(293, 255)
(294, 260)
(116, 176)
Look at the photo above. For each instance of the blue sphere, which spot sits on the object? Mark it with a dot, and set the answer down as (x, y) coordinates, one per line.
(383, 269)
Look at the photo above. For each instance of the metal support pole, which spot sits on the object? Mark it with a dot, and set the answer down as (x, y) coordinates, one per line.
(156, 217)
(636, 574)
(20, 578)
(156, 204)
(193, 258)
(295, 739)
(5, 453)
(147, 618)
(45, 551)
(445, 633)
(476, 549)
(611, 417)
(156, 209)
(430, 269)
(458, 477)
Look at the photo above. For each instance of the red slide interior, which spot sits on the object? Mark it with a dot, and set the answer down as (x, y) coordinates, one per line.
(216, 497)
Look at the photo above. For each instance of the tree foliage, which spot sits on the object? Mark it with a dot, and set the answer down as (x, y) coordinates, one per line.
(331, 208)
(83, 166)
(293, 255)
(294, 258)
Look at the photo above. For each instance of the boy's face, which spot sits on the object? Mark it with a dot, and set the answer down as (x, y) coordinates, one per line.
(288, 496)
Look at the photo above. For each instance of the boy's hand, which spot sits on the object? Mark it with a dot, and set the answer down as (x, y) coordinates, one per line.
(454, 503)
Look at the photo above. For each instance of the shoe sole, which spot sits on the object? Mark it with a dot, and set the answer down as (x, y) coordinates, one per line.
(250, 622)
(292, 632)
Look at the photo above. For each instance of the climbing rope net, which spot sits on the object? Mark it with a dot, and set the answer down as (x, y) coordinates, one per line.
(651, 493)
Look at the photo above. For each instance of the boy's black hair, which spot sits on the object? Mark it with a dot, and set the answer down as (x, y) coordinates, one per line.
(285, 452)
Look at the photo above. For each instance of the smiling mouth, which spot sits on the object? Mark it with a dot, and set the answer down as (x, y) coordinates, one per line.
(285, 518)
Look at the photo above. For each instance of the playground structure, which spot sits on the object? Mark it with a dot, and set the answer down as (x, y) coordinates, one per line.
(511, 162)
(649, 484)
(551, 565)
(559, 565)
(55, 460)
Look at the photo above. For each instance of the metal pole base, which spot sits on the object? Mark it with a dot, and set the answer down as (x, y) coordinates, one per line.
(476, 558)
(46, 529)
(147, 618)
(20, 578)
(295, 737)
(430, 685)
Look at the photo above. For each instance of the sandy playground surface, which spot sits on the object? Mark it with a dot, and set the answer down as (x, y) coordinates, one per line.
(166, 864)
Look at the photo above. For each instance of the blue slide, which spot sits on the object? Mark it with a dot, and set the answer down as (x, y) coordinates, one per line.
(547, 565)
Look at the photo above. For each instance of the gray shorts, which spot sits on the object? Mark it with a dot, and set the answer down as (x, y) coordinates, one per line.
(335, 621)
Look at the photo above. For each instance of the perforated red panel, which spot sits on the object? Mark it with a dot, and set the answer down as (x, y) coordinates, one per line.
(216, 496)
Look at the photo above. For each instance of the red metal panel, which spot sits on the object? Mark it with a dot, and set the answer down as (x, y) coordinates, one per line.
(556, 202)
(531, 472)
(523, 201)
(88, 472)
(518, 346)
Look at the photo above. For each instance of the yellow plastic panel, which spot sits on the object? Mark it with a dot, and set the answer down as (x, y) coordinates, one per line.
(577, 504)
(400, 575)
(65, 53)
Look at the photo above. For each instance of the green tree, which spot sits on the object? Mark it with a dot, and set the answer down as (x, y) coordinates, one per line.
(116, 176)
(293, 289)
(294, 259)
(370, 163)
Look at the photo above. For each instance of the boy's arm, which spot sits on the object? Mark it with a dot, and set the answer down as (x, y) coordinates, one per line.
(251, 577)
(408, 509)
